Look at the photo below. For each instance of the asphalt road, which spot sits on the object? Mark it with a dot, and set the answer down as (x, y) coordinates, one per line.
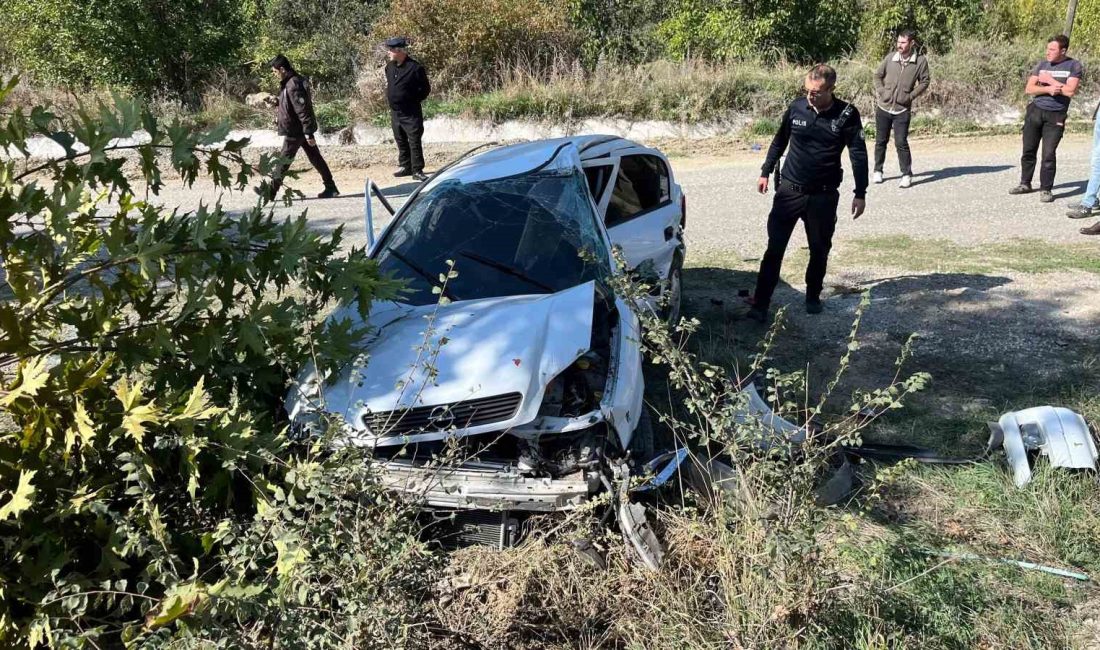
(960, 193)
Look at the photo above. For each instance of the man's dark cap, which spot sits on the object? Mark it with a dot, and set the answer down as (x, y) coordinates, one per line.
(279, 61)
(396, 41)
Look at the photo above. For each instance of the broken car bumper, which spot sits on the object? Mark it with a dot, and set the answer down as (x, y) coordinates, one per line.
(487, 486)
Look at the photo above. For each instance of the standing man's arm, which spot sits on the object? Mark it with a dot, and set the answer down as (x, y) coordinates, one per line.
(880, 76)
(303, 107)
(424, 84)
(1069, 89)
(1038, 86)
(775, 151)
(857, 152)
(924, 78)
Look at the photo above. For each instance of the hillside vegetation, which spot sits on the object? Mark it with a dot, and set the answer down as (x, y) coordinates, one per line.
(684, 60)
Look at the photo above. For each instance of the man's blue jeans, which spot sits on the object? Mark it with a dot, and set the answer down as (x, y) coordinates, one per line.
(1090, 200)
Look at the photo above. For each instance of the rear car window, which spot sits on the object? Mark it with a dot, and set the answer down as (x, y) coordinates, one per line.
(642, 184)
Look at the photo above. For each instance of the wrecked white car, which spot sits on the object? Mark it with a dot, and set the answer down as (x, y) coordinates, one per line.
(528, 377)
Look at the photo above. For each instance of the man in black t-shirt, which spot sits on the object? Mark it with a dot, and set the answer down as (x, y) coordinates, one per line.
(1052, 82)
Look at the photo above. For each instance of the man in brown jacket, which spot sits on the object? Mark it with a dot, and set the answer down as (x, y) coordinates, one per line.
(901, 77)
(297, 123)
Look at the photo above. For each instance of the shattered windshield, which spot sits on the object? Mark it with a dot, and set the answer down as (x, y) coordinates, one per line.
(510, 236)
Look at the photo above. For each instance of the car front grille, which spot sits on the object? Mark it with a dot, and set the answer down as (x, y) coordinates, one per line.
(440, 417)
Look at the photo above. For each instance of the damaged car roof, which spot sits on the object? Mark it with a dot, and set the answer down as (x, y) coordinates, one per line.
(512, 160)
(526, 157)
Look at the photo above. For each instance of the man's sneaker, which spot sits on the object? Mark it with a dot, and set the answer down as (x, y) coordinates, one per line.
(1022, 188)
(330, 192)
(420, 176)
(1080, 212)
(1094, 229)
(814, 306)
(757, 314)
(878, 178)
(1046, 196)
(404, 171)
(906, 181)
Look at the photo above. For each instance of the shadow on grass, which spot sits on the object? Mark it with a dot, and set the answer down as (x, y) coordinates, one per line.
(989, 349)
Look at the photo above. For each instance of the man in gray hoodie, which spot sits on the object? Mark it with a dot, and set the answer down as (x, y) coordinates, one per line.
(901, 77)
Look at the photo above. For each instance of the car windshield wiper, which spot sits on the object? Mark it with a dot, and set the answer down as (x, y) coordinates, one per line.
(421, 272)
(504, 268)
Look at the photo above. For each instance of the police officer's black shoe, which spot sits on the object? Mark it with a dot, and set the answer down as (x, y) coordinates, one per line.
(1022, 188)
(404, 171)
(1080, 212)
(420, 176)
(1094, 229)
(330, 192)
(757, 314)
(814, 306)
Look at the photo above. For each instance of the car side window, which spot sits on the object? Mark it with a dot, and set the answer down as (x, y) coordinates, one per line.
(642, 184)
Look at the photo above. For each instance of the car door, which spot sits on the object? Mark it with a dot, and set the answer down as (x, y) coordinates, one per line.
(641, 209)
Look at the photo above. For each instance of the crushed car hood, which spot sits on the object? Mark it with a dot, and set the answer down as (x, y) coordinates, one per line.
(454, 355)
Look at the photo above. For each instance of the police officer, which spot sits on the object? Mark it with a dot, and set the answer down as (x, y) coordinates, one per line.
(817, 128)
(406, 87)
(297, 124)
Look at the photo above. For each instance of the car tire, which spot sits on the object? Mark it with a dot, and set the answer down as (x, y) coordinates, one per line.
(641, 446)
(674, 289)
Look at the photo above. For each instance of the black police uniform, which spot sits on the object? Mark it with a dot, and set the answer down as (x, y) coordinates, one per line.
(407, 86)
(808, 187)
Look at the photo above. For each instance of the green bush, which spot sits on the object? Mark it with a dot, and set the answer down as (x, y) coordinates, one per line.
(805, 32)
(322, 39)
(144, 45)
(618, 30)
(333, 116)
(148, 489)
(467, 45)
(1032, 19)
(1086, 29)
(937, 23)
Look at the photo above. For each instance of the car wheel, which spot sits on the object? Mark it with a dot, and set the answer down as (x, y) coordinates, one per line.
(641, 443)
(673, 294)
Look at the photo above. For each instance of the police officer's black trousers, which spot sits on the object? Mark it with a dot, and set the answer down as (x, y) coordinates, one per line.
(291, 145)
(818, 214)
(408, 129)
(1046, 127)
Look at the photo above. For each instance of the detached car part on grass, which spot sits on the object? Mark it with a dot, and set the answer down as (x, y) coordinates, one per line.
(1055, 432)
(522, 391)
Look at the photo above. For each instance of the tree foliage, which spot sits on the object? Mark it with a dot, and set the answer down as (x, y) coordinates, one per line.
(145, 45)
(937, 23)
(468, 44)
(618, 30)
(148, 488)
(749, 29)
(322, 39)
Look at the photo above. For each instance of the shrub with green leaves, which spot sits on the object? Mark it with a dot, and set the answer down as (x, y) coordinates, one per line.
(148, 489)
(468, 44)
(801, 31)
(322, 39)
(149, 47)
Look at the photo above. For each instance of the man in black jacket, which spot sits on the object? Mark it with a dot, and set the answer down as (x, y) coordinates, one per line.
(297, 124)
(817, 127)
(406, 87)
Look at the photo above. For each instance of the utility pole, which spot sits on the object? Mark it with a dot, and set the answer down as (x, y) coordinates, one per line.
(1071, 11)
